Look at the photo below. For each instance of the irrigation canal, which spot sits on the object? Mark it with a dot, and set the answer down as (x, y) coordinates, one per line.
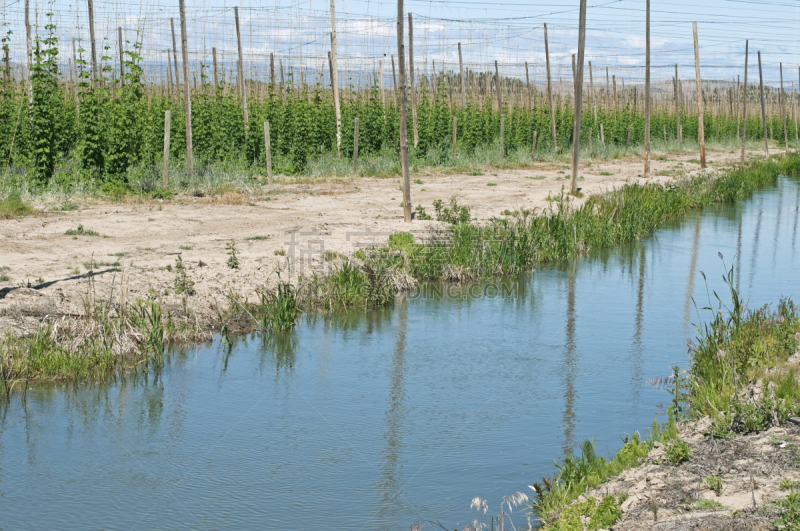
(376, 420)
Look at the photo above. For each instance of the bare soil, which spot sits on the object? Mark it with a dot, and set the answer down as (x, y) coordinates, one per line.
(751, 467)
(138, 243)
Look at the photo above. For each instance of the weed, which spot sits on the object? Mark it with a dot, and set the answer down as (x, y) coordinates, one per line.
(788, 484)
(256, 238)
(491, 184)
(678, 451)
(151, 219)
(5, 278)
(707, 505)
(475, 174)
(280, 252)
(94, 265)
(606, 514)
(13, 207)
(789, 512)
(186, 247)
(421, 214)
(418, 181)
(80, 231)
(183, 284)
(233, 258)
(454, 215)
(606, 173)
(714, 483)
(69, 206)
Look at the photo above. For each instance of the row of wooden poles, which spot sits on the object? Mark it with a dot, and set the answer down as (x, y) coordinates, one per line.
(481, 85)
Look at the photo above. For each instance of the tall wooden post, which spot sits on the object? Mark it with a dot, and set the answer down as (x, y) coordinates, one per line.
(783, 114)
(550, 91)
(411, 79)
(165, 170)
(187, 93)
(335, 83)
(355, 147)
(401, 58)
(744, 100)
(268, 152)
(121, 58)
(174, 51)
(394, 82)
(677, 107)
(463, 80)
(647, 94)
(240, 70)
(29, 42)
(701, 135)
(214, 60)
(763, 107)
(91, 37)
(576, 133)
(528, 87)
(455, 137)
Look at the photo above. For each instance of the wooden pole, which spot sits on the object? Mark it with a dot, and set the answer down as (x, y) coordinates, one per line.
(744, 100)
(355, 147)
(411, 79)
(29, 41)
(91, 37)
(576, 133)
(528, 87)
(463, 80)
(240, 70)
(455, 136)
(174, 51)
(268, 152)
(394, 81)
(533, 146)
(677, 107)
(403, 116)
(214, 60)
(647, 95)
(550, 91)
(335, 83)
(186, 90)
(763, 107)
(701, 136)
(498, 88)
(121, 58)
(272, 71)
(165, 171)
(783, 113)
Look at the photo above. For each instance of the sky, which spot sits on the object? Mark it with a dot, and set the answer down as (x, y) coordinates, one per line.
(297, 33)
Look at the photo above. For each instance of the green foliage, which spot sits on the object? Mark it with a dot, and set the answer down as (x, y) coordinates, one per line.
(707, 505)
(714, 483)
(678, 451)
(789, 512)
(233, 258)
(183, 284)
(81, 231)
(13, 206)
(454, 214)
(421, 214)
(606, 514)
(278, 311)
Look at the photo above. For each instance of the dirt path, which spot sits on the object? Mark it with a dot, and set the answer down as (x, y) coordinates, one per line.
(43, 270)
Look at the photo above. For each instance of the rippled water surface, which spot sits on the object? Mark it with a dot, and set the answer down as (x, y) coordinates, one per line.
(379, 420)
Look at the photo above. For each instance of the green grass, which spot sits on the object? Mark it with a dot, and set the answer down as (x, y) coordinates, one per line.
(13, 207)
(81, 231)
(707, 505)
(256, 238)
(95, 265)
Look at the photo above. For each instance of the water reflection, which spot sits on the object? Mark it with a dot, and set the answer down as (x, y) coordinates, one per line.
(395, 414)
(754, 255)
(638, 347)
(692, 274)
(570, 367)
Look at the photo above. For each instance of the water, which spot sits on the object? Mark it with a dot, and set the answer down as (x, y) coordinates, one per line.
(379, 420)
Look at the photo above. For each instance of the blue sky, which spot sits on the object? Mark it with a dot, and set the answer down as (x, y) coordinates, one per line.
(509, 32)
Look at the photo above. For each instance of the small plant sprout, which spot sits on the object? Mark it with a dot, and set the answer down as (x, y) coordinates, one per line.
(714, 483)
(233, 258)
(183, 284)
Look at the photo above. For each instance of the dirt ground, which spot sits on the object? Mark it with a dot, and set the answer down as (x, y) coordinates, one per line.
(44, 271)
(752, 468)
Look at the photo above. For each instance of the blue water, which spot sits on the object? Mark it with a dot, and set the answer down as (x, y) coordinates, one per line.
(374, 421)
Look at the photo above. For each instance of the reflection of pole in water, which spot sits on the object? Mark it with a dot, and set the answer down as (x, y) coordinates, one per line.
(777, 228)
(395, 414)
(739, 254)
(692, 273)
(755, 248)
(796, 210)
(638, 349)
(569, 368)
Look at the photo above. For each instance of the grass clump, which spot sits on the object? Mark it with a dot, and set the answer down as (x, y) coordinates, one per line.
(81, 231)
(14, 207)
(714, 483)
(233, 257)
(454, 214)
(678, 451)
(707, 505)
(789, 512)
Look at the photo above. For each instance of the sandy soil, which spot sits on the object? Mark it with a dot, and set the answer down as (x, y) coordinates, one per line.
(751, 467)
(47, 269)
